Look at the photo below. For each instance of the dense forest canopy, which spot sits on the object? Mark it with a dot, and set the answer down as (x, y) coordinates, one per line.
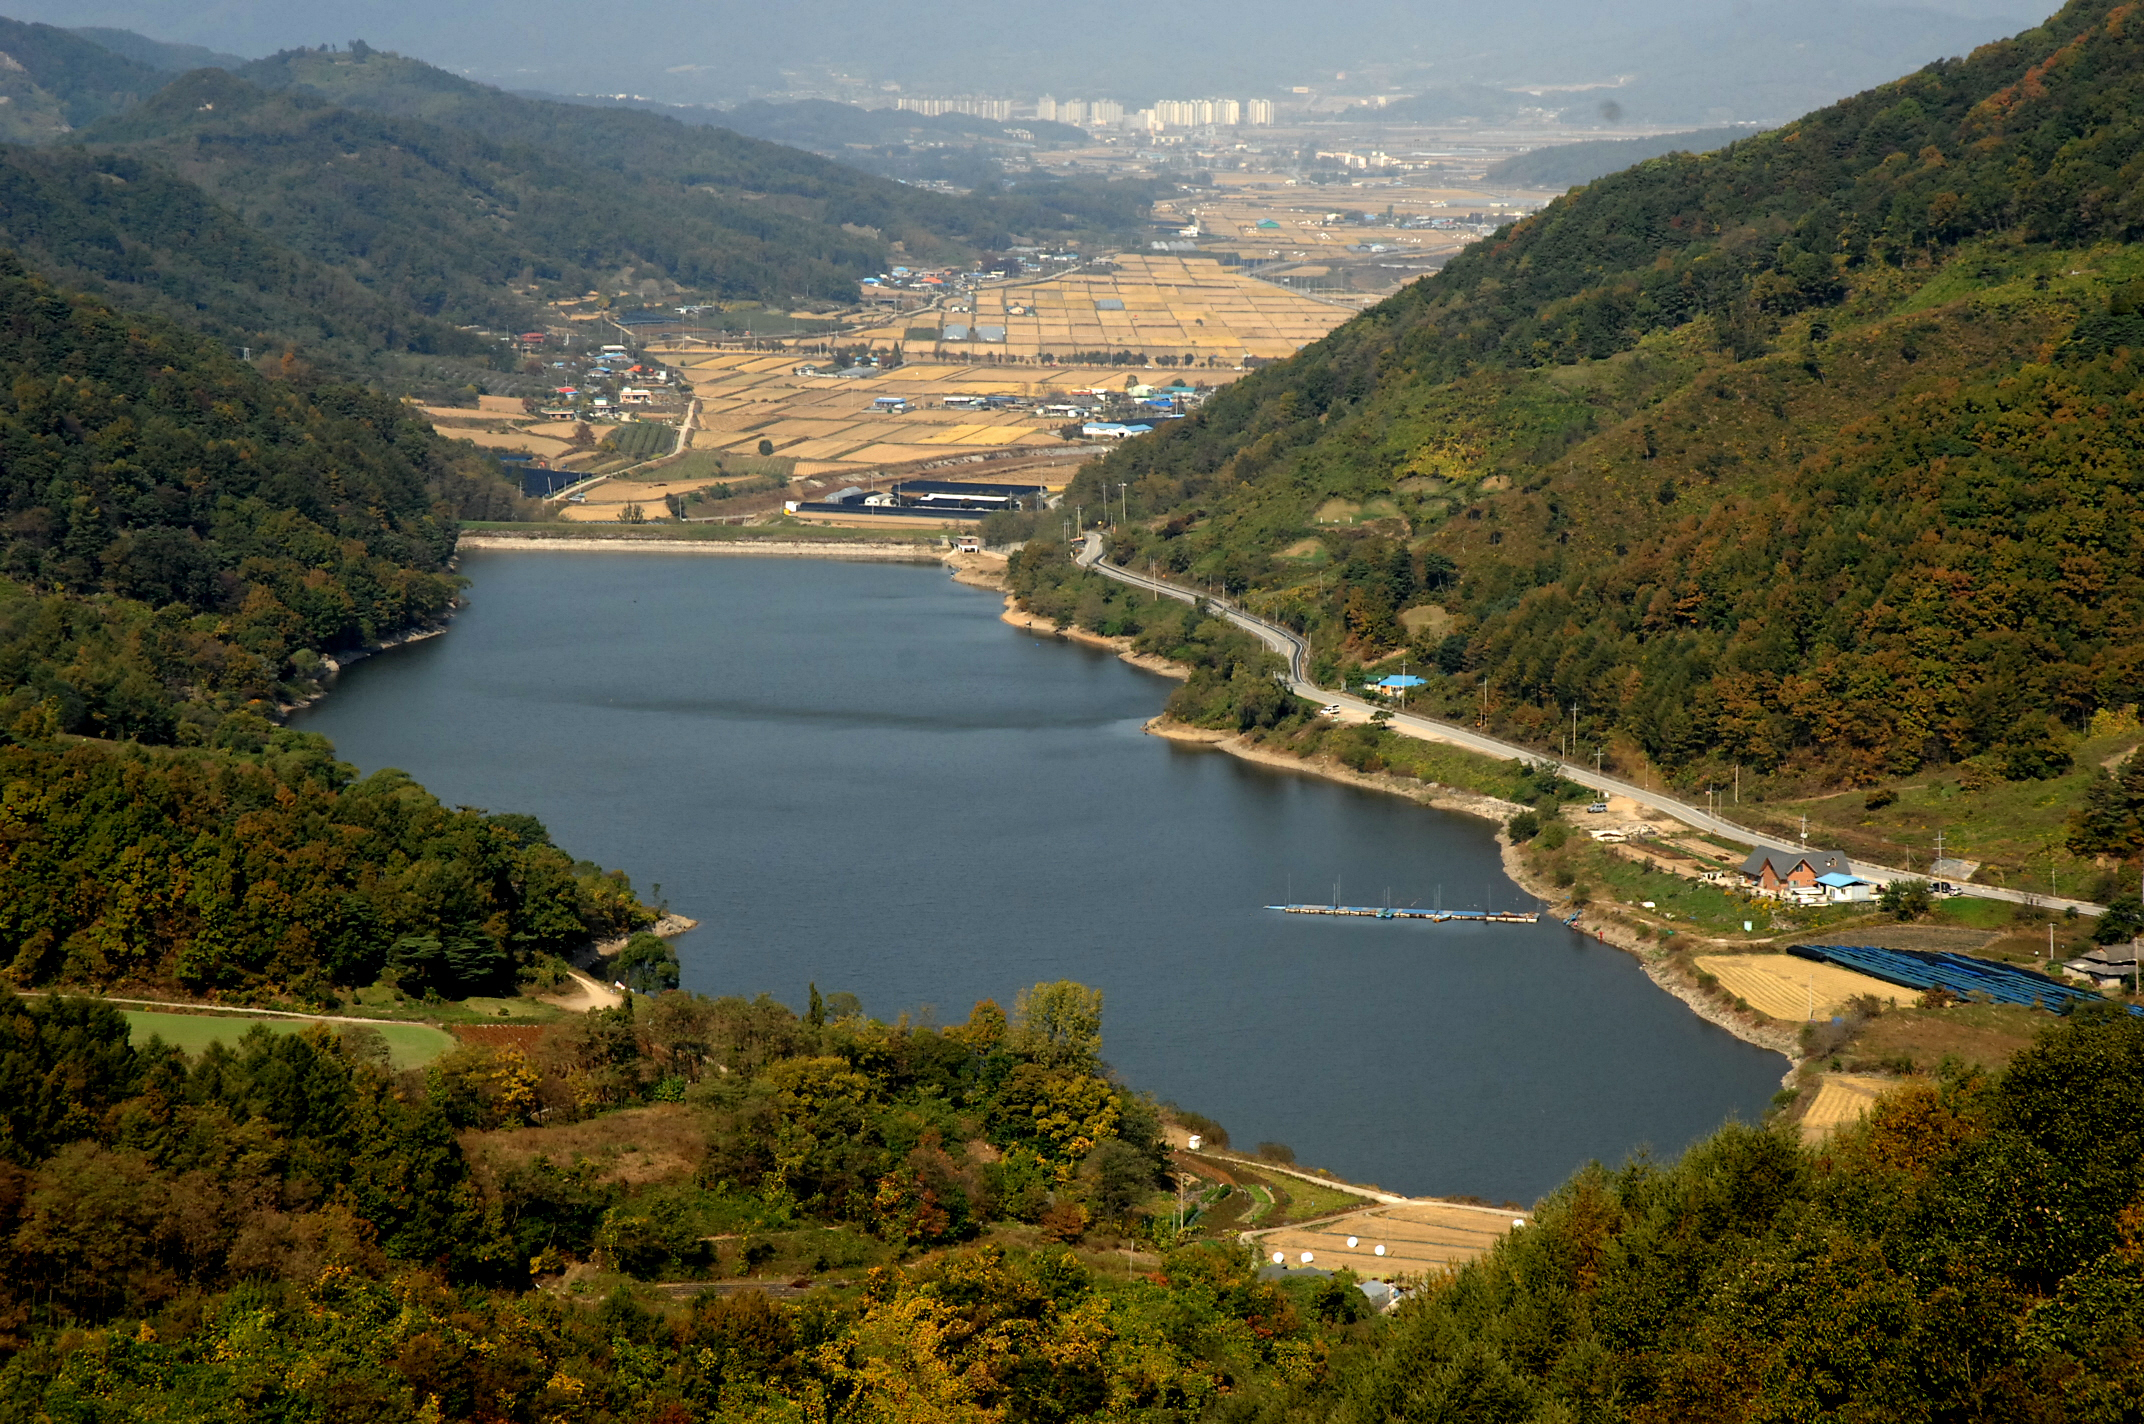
(292, 1230)
(1818, 451)
(183, 542)
(444, 219)
(138, 236)
(670, 157)
(262, 865)
(182, 535)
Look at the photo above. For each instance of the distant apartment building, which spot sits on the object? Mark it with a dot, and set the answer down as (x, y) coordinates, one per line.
(1092, 113)
(1207, 113)
(997, 110)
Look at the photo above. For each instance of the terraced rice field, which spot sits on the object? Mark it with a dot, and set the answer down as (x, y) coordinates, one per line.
(1417, 1237)
(1781, 986)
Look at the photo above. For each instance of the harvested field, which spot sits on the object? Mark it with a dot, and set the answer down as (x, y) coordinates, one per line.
(1186, 307)
(1781, 986)
(830, 428)
(1841, 1099)
(1421, 1236)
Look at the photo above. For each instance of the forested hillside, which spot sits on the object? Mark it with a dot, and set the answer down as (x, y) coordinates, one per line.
(185, 542)
(55, 81)
(184, 536)
(1569, 165)
(442, 221)
(134, 234)
(1820, 451)
(362, 208)
(670, 156)
(829, 1217)
(373, 1239)
(157, 54)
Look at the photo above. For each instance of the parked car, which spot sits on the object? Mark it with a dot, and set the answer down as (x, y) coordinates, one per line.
(1597, 807)
(1330, 709)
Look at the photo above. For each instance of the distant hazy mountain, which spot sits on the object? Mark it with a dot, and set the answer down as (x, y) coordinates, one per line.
(1678, 60)
(52, 81)
(173, 58)
(1568, 165)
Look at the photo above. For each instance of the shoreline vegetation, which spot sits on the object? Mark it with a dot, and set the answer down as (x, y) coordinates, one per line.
(1662, 891)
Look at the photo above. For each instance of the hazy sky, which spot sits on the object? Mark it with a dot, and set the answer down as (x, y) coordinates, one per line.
(1694, 57)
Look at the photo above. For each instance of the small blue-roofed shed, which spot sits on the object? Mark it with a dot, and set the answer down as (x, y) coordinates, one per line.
(1841, 888)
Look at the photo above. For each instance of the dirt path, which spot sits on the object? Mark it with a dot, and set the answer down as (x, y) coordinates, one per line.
(586, 995)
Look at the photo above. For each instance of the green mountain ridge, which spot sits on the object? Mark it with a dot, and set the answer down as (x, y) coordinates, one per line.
(124, 229)
(442, 221)
(661, 150)
(157, 54)
(1572, 165)
(53, 81)
(1816, 452)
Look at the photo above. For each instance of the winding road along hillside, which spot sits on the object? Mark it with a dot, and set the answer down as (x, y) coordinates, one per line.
(1296, 651)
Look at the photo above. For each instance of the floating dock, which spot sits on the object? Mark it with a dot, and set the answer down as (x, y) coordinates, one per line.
(1387, 912)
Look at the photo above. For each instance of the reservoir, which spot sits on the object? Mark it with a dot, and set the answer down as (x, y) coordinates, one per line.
(855, 775)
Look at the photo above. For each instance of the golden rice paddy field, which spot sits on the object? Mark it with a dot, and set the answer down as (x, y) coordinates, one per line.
(1158, 304)
(1841, 1099)
(1782, 986)
(1417, 1237)
(827, 424)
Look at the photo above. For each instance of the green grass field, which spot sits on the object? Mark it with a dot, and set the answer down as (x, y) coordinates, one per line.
(408, 1045)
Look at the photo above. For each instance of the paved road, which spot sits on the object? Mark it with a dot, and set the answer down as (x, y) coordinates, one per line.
(1297, 652)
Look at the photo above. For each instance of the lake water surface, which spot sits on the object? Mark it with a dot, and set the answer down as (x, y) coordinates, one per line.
(856, 775)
